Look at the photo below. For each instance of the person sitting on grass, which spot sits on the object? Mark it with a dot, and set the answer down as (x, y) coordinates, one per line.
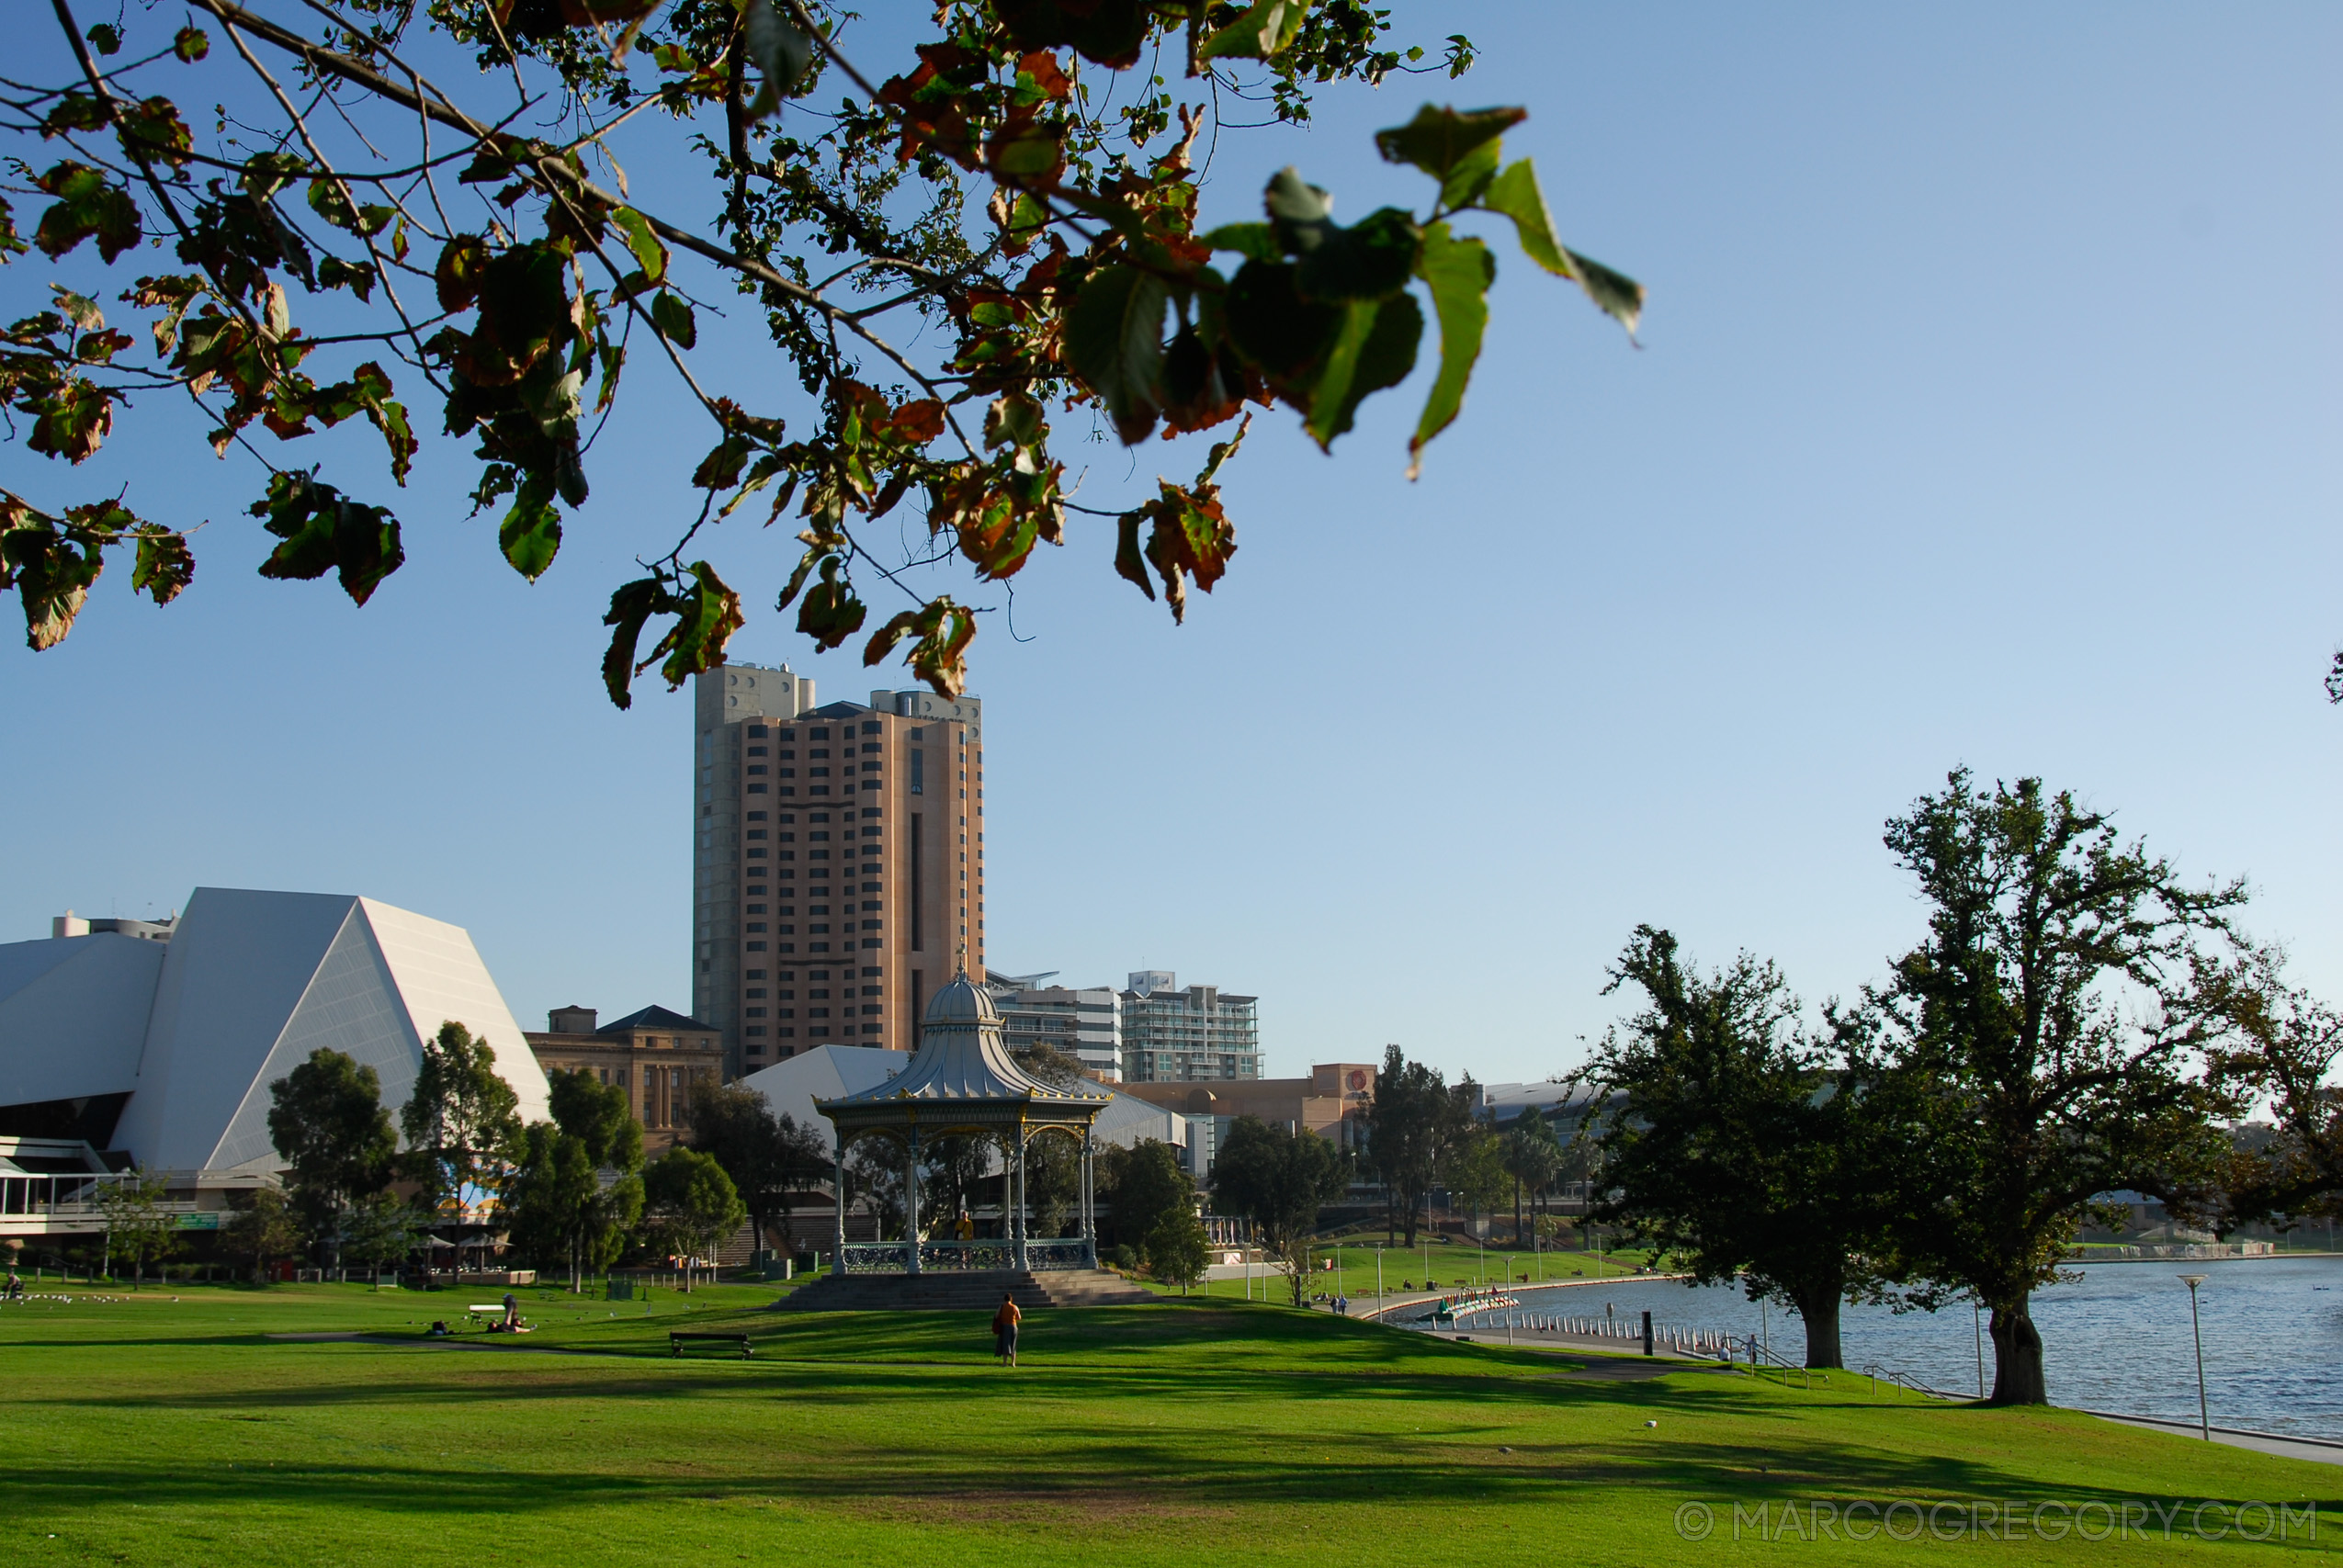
(1004, 1330)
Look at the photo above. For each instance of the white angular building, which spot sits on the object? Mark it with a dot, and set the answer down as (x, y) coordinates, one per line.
(161, 1052)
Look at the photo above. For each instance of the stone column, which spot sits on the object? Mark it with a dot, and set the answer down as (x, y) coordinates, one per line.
(1022, 1262)
(838, 1232)
(1090, 1201)
(911, 1203)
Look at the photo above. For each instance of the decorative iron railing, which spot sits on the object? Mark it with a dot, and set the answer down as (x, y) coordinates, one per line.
(954, 1257)
(943, 1257)
(872, 1258)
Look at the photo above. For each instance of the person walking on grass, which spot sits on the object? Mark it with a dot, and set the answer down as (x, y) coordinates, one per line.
(1004, 1330)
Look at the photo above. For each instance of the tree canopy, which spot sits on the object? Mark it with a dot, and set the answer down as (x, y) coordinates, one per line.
(1737, 1144)
(1279, 1178)
(1416, 1125)
(767, 1156)
(327, 1122)
(462, 1121)
(2049, 1030)
(691, 1204)
(420, 217)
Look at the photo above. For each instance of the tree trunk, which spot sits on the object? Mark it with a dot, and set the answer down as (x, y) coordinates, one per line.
(2017, 1355)
(1821, 1317)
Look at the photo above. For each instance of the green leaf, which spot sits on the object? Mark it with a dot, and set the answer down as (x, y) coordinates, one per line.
(462, 263)
(1471, 176)
(1373, 257)
(86, 205)
(782, 53)
(325, 531)
(1114, 342)
(1620, 297)
(644, 243)
(71, 421)
(530, 534)
(1459, 271)
(1267, 29)
(106, 38)
(831, 612)
(190, 45)
(50, 566)
(1375, 349)
(1258, 241)
(672, 316)
(165, 565)
(630, 607)
(707, 614)
(1515, 193)
(1130, 564)
(939, 657)
(1438, 139)
(1271, 325)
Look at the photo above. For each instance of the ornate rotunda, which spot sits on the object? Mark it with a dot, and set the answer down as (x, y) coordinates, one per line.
(962, 1080)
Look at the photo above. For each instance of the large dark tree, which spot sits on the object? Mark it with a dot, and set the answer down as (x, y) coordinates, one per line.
(1737, 1144)
(327, 1122)
(400, 209)
(576, 1192)
(1143, 1186)
(1416, 1125)
(462, 1124)
(690, 1206)
(1279, 1179)
(2278, 1043)
(2048, 1027)
(767, 1156)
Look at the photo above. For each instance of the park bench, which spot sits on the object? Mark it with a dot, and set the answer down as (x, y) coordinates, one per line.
(676, 1339)
(493, 1310)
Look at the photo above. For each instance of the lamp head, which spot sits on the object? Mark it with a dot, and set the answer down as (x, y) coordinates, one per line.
(2192, 1281)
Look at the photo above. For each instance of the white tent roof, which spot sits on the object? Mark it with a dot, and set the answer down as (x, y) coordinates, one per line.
(248, 985)
(74, 1009)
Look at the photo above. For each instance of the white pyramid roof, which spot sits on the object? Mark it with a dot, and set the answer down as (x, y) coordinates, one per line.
(75, 1008)
(248, 985)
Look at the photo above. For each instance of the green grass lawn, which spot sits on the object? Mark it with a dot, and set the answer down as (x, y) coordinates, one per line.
(156, 1430)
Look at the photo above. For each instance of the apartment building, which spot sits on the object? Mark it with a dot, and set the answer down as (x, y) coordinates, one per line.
(1083, 1023)
(1171, 1034)
(838, 861)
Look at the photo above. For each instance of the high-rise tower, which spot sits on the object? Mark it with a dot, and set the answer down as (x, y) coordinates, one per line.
(838, 861)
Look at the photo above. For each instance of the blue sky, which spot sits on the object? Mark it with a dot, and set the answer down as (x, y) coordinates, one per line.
(1985, 414)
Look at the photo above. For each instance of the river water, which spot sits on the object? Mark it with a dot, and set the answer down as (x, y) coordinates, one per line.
(2116, 1339)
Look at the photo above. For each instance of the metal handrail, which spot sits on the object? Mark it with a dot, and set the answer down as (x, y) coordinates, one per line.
(1874, 1371)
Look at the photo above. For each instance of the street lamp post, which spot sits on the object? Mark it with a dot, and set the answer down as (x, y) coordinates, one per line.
(2205, 1420)
(1977, 1324)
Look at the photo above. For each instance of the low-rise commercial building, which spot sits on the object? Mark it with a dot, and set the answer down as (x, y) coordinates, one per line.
(1332, 1102)
(656, 1055)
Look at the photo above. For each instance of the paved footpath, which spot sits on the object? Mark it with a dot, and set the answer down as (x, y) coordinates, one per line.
(2318, 1451)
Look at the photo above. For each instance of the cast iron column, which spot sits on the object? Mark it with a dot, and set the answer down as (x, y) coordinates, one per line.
(911, 1204)
(838, 1232)
(1022, 1262)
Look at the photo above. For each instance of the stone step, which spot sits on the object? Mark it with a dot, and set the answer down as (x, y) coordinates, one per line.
(973, 1291)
